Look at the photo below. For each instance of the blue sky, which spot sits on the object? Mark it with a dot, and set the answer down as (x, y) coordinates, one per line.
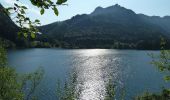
(148, 7)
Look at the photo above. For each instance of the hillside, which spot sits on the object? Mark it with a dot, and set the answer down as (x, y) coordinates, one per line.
(8, 29)
(111, 27)
(8, 33)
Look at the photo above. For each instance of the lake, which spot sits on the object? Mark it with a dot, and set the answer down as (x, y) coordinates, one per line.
(130, 70)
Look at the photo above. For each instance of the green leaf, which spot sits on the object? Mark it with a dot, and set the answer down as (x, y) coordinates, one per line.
(22, 11)
(25, 35)
(10, 8)
(59, 2)
(24, 7)
(49, 1)
(19, 33)
(32, 35)
(167, 78)
(42, 11)
(16, 5)
(26, 19)
(64, 1)
(37, 21)
(56, 11)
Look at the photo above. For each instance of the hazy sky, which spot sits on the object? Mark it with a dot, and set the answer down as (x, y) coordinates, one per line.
(148, 7)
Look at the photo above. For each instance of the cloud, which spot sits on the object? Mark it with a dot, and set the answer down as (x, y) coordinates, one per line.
(30, 10)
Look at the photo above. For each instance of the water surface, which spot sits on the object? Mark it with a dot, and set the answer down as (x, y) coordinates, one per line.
(130, 70)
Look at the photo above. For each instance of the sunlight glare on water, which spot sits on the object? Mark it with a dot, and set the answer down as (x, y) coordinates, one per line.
(93, 74)
(94, 52)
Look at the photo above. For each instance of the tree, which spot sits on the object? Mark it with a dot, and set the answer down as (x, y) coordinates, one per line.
(162, 62)
(12, 85)
(9, 87)
(27, 26)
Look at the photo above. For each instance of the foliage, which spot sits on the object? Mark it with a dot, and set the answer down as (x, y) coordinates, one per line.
(14, 86)
(68, 91)
(164, 95)
(110, 91)
(30, 82)
(38, 44)
(162, 62)
(28, 27)
(3, 57)
(9, 87)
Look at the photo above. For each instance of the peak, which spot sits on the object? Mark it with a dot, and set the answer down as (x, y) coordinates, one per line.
(115, 9)
(99, 7)
(97, 10)
(117, 5)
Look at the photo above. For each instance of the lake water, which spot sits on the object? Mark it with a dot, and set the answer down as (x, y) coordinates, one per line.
(130, 70)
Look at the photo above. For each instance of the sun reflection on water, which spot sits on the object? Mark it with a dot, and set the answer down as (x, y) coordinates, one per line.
(93, 74)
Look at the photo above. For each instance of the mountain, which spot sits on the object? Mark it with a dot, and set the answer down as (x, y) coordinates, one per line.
(162, 22)
(8, 29)
(111, 27)
(8, 33)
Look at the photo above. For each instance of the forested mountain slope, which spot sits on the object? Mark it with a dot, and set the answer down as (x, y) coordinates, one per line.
(111, 27)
